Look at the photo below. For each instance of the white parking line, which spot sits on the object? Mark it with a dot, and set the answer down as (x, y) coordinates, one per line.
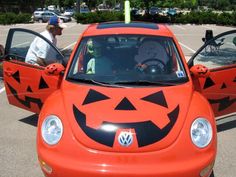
(187, 47)
(68, 46)
(20, 44)
(180, 27)
(2, 89)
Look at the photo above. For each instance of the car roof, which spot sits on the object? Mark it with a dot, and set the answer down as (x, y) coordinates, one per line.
(109, 28)
(39, 11)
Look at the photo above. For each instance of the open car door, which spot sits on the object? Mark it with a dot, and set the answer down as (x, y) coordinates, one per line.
(27, 86)
(219, 87)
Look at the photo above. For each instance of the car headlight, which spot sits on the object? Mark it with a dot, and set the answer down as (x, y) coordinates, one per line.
(52, 130)
(201, 132)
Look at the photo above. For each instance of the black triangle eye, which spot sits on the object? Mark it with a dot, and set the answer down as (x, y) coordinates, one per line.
(16, 76)
(94, 96)
(156, 98)
(208, 83)
(223, 86)
(43, 84)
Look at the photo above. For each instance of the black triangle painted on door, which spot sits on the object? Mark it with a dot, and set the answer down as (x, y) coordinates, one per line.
(94, 96)
(157, 98)
(208, 83)
(43, 84)
(16, 76)
(29, 89)
(125, 104)
(223, 86)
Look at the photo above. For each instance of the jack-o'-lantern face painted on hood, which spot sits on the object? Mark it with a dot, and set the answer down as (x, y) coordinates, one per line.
(117, 119)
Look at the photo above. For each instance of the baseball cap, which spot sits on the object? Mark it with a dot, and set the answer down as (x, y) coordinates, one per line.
(56, 21)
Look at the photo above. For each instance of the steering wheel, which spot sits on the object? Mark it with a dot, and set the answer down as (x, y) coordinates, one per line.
(155, 66)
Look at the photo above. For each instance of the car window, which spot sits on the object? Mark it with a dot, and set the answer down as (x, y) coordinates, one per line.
(218, 53)
(21, 40)
(127, 58)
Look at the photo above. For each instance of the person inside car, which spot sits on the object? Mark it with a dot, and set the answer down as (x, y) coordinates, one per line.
(40, 52)
(151, 52)
(99, 63)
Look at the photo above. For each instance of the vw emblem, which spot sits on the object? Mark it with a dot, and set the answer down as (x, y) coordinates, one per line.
(125, 138)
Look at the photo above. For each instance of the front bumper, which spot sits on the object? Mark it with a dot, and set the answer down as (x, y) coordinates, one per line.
(175, 161)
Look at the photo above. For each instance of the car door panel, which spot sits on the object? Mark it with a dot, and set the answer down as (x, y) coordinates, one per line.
(27, 86)
(219, 55)
(219, 89)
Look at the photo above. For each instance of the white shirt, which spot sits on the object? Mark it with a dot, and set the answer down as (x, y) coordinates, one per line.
(41, 49)
(151, 49)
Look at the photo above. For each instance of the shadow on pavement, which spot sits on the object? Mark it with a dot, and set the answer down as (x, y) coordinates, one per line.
(31, 120)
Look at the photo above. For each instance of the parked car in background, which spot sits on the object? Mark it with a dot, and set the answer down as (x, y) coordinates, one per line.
(154, 10)
(102, 7)
(52, 7)
(134, 11)
(48, 14)
(171, 12)
(164, 11)
(37, 15)
(69, 12)
(84, 10)
(117, 9)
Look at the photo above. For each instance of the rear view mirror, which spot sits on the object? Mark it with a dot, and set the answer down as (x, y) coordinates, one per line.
(54, 69)
(200, 71)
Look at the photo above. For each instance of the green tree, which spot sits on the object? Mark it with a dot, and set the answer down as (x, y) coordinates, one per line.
(67, 3)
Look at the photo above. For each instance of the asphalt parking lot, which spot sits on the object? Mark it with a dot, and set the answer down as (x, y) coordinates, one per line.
(18, 157)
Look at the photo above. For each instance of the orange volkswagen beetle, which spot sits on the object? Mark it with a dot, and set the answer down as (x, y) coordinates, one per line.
(126, 103)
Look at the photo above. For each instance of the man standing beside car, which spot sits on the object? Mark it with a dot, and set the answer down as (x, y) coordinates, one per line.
(40, 52)
(1, 50)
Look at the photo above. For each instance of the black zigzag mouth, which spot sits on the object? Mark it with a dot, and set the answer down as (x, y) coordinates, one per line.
(27, 100)
(147, 132)
(224, 103)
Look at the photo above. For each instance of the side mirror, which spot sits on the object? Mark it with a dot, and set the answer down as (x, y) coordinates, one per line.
(200, 71)
(54, 69)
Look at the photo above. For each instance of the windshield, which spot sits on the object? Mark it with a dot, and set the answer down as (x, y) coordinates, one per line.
(127, 59)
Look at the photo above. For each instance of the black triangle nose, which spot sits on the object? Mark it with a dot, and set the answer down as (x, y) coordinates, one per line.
(125, 104)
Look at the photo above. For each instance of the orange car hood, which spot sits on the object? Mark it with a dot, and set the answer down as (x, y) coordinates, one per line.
(153, 116)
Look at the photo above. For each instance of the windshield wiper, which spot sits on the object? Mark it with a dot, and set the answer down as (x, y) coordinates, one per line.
(91, 81)
(107, 84)
(146, 83)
